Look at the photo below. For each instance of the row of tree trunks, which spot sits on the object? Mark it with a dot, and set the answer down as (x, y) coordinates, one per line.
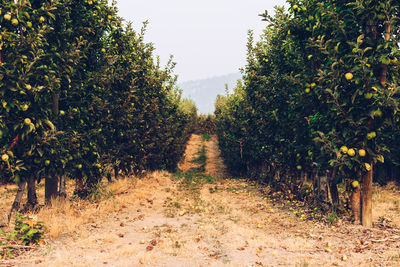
(325, 189)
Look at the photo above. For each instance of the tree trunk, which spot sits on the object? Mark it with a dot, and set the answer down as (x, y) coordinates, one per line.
(18, 198)
(32, 197)
(333, 188)
(277, 176)
(304, 177)
(286, 178)
(79, 184)
(109, 178)
(355, 203)
(116, 170)
(55, 104)
(62, 188)
(51, 188)
(366, 215)
(316, 184)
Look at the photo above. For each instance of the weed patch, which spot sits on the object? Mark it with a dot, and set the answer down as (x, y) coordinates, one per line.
(206, 137)
(27, 232)
(201, 160)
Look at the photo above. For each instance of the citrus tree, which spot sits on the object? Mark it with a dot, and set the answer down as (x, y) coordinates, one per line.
(356, 78)
(82, 94)
(322, 92)
(25, 91)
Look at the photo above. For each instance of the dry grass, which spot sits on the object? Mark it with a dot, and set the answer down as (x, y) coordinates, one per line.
(210, 228)
(65, 216)
(386, 204)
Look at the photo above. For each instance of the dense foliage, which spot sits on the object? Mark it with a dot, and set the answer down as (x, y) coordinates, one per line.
(205, 124)
(320, 97)
(81, 94)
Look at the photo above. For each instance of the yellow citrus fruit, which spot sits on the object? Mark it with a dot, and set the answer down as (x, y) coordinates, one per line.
(24, 107)
(367, 166)
(362, 152)
(378, 113)
(344, 149)
(351, 152)
(371, 135)
(348, 76)
(7, 17)
(355, 184)
(4, 157)
(14, 22)
(368, 95)
(27, 121)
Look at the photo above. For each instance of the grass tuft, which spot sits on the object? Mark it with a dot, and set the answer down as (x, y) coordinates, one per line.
(206, 137)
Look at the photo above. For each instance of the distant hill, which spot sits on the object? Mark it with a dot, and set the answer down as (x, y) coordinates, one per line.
(204, 92)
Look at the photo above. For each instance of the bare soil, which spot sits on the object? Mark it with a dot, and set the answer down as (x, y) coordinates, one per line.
(155, 221)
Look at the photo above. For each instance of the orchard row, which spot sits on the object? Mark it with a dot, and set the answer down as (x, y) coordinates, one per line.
(320, 99)
(81, 95)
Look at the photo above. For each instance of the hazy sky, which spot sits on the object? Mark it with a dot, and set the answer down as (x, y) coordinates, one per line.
(207, 37)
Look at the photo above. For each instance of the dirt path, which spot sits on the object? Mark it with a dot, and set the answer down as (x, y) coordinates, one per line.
(229, 223)
(215, 165)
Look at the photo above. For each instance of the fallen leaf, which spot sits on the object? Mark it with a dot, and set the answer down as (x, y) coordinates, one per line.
(181, 213)
(153, 242)
(149, 248)
(121, 235)
(241, 248)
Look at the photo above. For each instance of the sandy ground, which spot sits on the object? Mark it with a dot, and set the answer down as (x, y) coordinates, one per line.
(163, 224)
(215, 166)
